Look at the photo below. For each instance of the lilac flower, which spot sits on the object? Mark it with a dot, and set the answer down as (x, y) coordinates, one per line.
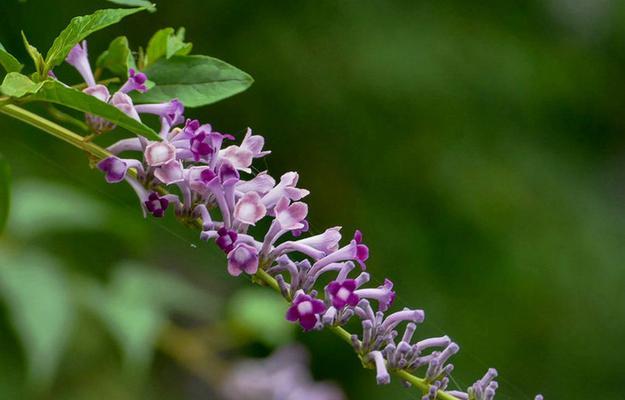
(226, 239)
(100, 92)
(79, 59)
(170, 172)
(199, 178)
(342, 293)
(136, 81)
(305, 309)
(124, 103)
(384, 295)
(241, 156)
(159, 153)
(172, 111)
(115, 168)
(242, 258)
(156, 205)
(249, 209)
(317, 246)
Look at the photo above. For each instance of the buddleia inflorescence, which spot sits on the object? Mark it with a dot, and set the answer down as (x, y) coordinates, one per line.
(203, 175)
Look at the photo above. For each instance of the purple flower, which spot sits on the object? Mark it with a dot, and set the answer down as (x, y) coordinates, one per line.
(305, 309)
(171, 111)
(342, 293)
(249, 209)
(226, 239)
(285, 188)
(156, 205)
(100, 92)
(113, 168)
(159, 153)
(136, 81)
(242, 258)
(170, 172)
(290, 216)
(79, 59)
(314, 246)
(200, 146)
(384, 295)
(123, 102)
(199, 178)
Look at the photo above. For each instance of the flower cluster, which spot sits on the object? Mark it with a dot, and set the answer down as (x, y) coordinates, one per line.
(210, 179)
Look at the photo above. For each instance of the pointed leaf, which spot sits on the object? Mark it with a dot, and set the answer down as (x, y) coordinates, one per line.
(118, 58)
(34, 54)
(81, 27)
(18, 85)
(136, 3)
(8, 62)
(176, 46)
(5, 192)
(53, 91)
(37, 298)
(195, 80)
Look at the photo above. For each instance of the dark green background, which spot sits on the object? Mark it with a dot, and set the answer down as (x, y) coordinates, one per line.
(478, 145)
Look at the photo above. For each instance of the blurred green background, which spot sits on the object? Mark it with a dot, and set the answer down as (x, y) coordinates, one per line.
(478, 145)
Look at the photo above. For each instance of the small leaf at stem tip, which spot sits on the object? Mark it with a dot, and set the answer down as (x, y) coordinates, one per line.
(81, 27)
(195, 80)
(34, 54)
(166, 43)
(8, 62)
(117, 58)
(151, 7)
(5, 192)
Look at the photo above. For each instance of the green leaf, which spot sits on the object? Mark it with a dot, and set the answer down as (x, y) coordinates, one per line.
(5, 192)
(195, 80)
(37, 298)
(118, 58)
(257, 314)
(81, 27)
(176, 46)
(8, 62)
(53, 91)
(18, 85)
(166, 43)
(35, 55)
(136, 3)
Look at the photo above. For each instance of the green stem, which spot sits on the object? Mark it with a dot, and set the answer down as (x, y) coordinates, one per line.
(54, 129)
(97, 152)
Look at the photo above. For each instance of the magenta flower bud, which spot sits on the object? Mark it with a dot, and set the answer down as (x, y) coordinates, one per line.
(306, 310)
(114, 169)
(159, 153)
(200, 146)
(242, 258)
(156, 205)
(342, 293)
(226, 239)
(249, 209)
(136, 81)
(79, 59)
